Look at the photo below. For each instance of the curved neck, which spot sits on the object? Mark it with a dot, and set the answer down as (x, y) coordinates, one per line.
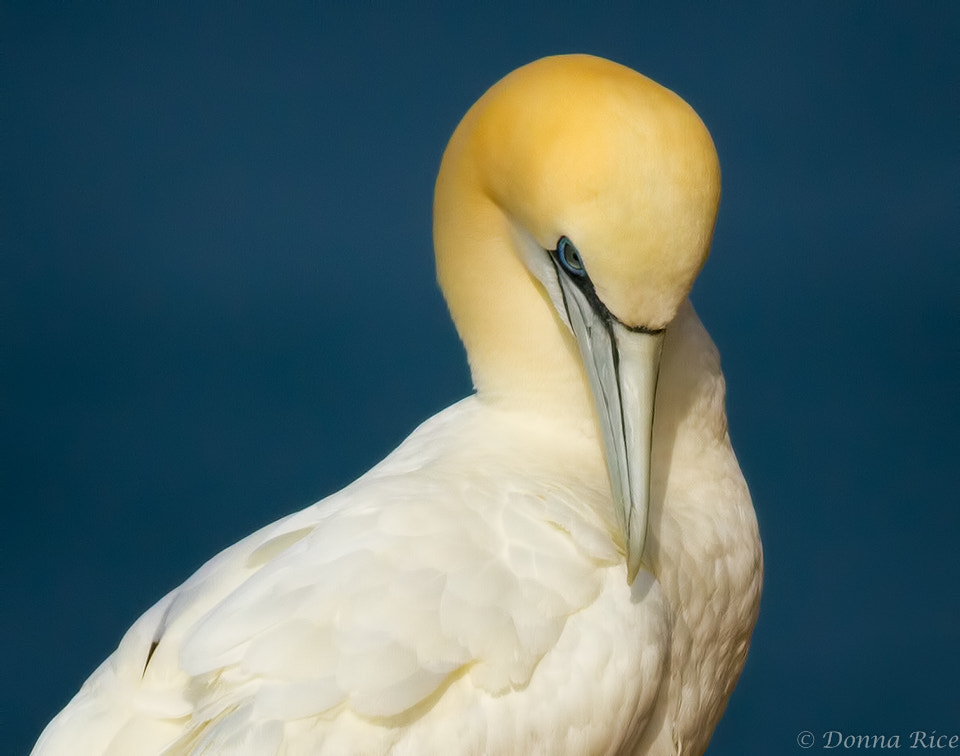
(520, 352)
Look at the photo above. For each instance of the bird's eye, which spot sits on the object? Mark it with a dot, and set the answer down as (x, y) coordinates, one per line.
(570, 258)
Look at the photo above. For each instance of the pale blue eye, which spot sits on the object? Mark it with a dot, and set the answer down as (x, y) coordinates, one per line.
(570, 258)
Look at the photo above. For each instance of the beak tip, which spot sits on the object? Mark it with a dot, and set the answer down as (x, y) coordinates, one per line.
(634, 558)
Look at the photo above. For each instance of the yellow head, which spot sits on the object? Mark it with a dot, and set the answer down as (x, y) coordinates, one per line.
(579, 146)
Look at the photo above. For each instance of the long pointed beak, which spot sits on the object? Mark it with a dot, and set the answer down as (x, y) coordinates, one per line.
(622, 365)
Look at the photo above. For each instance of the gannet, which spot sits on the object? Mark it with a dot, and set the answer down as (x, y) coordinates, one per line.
(566, 561)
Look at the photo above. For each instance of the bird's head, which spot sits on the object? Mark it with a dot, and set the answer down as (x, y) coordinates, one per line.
(574, 208)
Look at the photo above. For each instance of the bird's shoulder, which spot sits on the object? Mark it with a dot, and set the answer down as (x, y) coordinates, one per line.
(430, 562)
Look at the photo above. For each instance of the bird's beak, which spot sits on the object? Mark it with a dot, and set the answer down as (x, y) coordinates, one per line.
(622, 364)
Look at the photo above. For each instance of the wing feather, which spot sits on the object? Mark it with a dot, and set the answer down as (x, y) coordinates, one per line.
(367, 603)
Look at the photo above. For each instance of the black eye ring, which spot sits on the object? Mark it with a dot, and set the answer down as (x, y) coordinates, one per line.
(570, 258)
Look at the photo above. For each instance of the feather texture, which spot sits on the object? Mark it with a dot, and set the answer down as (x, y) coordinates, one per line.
(412, 611)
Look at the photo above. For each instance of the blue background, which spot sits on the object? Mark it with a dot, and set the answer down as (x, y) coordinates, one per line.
(217, 305)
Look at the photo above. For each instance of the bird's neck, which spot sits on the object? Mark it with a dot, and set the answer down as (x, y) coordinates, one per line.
(521, 354)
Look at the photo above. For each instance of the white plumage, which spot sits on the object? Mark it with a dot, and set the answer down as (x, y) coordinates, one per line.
(470, 593)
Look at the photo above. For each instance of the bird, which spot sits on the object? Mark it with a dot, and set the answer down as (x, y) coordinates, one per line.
(567, 560)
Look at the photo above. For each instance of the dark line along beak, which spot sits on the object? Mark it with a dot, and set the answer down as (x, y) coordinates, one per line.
(622, 364)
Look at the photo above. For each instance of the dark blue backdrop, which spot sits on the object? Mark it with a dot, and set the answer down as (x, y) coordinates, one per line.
(217, 305)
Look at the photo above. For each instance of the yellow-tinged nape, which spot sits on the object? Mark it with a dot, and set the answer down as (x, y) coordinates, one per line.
(578, 146)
